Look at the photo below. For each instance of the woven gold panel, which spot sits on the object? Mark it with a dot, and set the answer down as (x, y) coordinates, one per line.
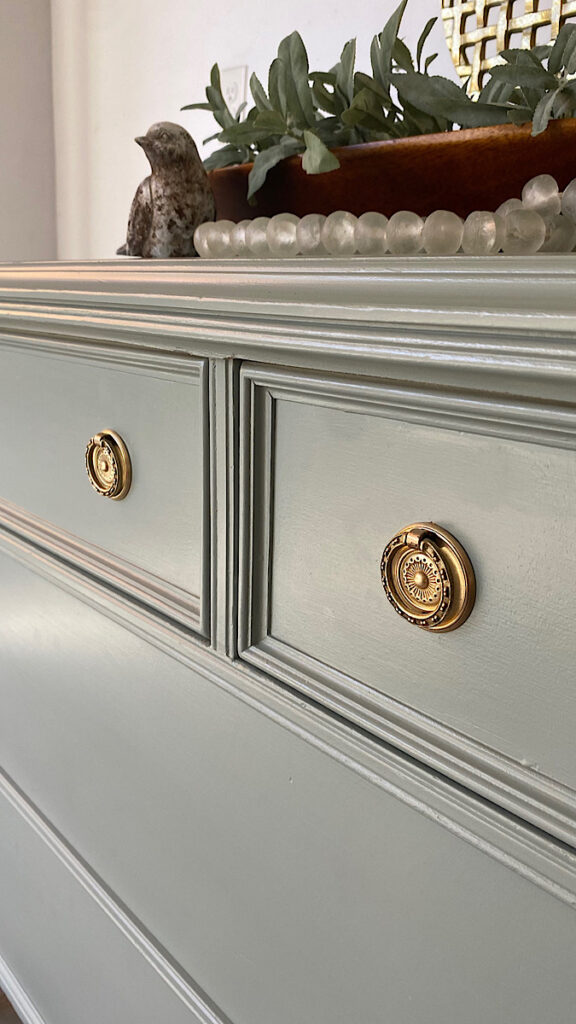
(477, 30)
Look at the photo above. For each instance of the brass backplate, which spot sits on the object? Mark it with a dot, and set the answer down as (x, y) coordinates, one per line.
(108, 465)
(478, 30)
(428, 577)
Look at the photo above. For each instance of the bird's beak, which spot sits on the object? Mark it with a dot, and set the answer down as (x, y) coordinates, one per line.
(141, 140)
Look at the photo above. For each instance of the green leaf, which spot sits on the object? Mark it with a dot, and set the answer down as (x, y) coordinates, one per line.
(271, 121)
(324, 99)
(402, 56)
(423, 37)
(299, 96)
(496, 91)
(240, 133)
(197, 106)
(366, 110)
(345, 70)
(422, 123)
(362, 81)
(519, 115)
(429, 60)
(259, 93)
(556, 58)
(211, 138)
(519, 56)
(522, 74)
(543, 113)
(224, 158)
(383, 45)
(569, 58)
(440, 97)
(277, 86)
(317, 159)
(268, 159)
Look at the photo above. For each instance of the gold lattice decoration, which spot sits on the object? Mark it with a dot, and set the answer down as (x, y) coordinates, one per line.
(477, 30)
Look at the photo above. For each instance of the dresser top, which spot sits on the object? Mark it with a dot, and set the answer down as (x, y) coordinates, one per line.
(502, 322)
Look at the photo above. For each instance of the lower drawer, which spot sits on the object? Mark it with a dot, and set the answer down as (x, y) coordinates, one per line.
(275, 872)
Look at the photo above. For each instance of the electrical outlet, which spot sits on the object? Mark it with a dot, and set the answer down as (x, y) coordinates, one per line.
(234, 83)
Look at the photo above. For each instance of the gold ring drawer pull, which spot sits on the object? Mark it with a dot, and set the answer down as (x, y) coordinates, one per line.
(428, 577)
(108, 465)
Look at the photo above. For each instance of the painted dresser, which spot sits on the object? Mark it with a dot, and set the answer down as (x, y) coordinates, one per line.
(249, 774)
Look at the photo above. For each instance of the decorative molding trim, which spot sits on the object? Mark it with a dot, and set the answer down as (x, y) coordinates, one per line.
(527, 851)
(502, 323)
(223, 410)
(201, 1008)
(142, 586)
(548, 804)
(120, 358)
(547, 423)
(17, 996)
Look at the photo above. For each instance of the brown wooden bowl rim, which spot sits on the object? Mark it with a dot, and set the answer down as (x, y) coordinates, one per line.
(462, 136)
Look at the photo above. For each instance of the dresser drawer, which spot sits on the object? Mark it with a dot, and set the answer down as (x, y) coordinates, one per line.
(154, 542)
(246, 859)
(332, 469)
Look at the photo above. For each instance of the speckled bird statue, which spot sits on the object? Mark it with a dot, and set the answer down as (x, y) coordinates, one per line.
(173, 200)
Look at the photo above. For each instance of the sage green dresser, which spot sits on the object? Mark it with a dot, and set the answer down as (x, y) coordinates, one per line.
(288, 642)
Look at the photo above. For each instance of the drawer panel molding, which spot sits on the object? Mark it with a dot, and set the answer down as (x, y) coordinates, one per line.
(513, 782)
(155, 543)
(169, 600)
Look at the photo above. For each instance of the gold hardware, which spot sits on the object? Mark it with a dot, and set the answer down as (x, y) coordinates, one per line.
(428, 577)
(478, 30)
(108, 465)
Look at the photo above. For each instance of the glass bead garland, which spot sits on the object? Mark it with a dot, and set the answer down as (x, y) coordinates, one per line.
(543, 220)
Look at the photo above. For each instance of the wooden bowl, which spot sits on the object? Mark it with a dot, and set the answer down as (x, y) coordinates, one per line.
(471, 169)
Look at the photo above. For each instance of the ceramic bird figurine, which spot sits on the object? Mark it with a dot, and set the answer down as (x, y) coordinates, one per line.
(173, 200)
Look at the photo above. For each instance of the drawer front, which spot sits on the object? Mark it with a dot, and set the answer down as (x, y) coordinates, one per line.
(258, 864)
(332, 469)
(153, 543)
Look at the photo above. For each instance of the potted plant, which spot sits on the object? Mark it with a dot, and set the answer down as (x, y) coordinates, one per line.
(316, 142)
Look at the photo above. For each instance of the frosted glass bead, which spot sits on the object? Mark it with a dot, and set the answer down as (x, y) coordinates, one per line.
(442, 233)
(483, 233)
(541, 194)
(238, 245)
(201, 239)
(404, 234)
(281, 235)
(309, 234)
(524, 232)
(218, 237)
(338, 233)
(370, 235)
(569, 200)
(507, 205)
(560, 234)
(256, 239)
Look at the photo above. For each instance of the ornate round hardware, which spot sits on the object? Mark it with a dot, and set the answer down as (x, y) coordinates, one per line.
(428, 577)
(108, 465)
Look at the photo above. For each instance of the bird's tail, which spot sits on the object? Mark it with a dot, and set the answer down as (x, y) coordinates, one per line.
(122, 250)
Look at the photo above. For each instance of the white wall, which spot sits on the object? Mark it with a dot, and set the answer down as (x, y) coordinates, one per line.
(27, 215)
(120, 65)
